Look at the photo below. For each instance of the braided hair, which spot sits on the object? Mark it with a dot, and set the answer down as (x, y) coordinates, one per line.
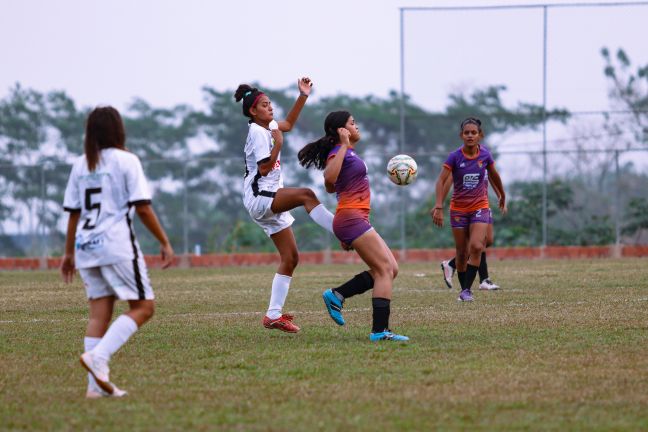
(249, 95)
(316, 153)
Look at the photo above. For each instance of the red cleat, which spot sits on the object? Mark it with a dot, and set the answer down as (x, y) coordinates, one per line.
(283, 323)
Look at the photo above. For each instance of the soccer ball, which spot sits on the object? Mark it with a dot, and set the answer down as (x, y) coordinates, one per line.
(402, 170)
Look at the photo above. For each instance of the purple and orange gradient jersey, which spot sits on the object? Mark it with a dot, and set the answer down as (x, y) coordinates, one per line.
(352, 185)
(470, 179)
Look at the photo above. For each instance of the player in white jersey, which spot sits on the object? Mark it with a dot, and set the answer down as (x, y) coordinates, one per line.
(267, 200)
(104, 187)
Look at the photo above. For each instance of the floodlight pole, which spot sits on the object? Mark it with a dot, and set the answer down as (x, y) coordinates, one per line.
(544, 126)
(401, 144)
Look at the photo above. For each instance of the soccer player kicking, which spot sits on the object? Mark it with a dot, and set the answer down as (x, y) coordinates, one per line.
(470, 214)
(267, 200)
(106, 184)
(345, 173)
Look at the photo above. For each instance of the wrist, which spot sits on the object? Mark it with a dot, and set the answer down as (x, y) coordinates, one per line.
(438, 207)
(301, 93)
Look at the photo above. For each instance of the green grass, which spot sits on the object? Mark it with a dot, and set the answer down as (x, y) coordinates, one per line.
(563, 346)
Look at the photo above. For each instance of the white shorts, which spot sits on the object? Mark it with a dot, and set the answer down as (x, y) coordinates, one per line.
(124, 280)
(260, 211)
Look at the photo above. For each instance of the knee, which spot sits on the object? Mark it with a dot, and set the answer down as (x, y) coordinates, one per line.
(385, 270)
(290, 260)
(476, 246)
(148, 310)
(309, 195)
(394, 270)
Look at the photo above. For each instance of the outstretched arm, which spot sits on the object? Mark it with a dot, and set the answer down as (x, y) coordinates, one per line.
(305, 85)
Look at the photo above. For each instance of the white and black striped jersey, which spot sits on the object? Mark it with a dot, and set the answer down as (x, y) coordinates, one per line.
(105, 199)
(258, 145)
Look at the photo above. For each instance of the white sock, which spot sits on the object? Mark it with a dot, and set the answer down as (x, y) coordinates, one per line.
(116, 336)
(88, 344)
(280, 286)
(322, 217)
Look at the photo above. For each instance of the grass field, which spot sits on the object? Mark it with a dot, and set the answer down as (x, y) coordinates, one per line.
(563, 346)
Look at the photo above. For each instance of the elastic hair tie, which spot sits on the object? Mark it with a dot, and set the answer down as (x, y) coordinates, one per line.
(247, 93)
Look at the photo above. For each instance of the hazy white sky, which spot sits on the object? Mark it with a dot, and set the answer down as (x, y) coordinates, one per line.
(107, 52)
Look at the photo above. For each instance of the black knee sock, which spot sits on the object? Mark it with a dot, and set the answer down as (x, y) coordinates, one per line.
(462, 277)
(452, 264)
(357, 285)
(380, 314)
(483, 268)
(471, 273)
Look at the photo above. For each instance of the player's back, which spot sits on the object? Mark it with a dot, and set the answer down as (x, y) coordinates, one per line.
(104, 197)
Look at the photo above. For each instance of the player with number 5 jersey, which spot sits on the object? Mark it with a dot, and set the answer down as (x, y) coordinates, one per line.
(106, 187)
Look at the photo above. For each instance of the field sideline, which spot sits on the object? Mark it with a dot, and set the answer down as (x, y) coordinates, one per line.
(563, 346)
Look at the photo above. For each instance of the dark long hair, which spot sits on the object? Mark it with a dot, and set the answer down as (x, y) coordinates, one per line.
(316, 153)
(471, 120)
(250, 95)
(104, 129)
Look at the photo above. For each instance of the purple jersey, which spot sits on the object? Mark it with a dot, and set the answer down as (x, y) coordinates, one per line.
(470, 179)
(352, 185)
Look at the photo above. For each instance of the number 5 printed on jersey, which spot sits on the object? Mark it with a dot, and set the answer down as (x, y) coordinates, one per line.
(89, 223)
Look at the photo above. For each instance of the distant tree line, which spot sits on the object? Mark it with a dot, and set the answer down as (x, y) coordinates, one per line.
(194, 158)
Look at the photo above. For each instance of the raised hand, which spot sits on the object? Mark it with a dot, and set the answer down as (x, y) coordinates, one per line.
(344, 135)
(305, 85)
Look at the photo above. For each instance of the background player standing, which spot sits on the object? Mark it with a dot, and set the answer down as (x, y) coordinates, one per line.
(470, 214)
(104, 187)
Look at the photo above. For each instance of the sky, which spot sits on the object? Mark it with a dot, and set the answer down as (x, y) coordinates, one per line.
(166, 51)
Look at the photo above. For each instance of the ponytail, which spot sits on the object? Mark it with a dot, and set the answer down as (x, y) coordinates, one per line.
(249, 95)
(104, 129)
(316, 153)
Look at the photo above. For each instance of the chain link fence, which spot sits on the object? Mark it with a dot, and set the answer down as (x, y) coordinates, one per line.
(594, 197)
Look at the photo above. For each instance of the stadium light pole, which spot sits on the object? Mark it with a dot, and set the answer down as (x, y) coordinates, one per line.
(617, 202)
(401, 144)
(545, 8)
(544, 126)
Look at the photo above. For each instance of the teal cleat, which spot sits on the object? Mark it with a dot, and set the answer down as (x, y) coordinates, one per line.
(333, 306)
(387, 335)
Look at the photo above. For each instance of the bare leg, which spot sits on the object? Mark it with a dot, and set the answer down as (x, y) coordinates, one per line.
(286, 245)
(290, 198)
(101, 311)
(141, 311)
(373, 251)
(461, 247)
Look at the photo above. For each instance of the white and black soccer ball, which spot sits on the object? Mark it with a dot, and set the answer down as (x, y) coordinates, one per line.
(402, 169)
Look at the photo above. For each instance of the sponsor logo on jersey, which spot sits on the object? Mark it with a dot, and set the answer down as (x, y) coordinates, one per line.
(91, 245)
(471, 181)
(463, 164)
(480, 163)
